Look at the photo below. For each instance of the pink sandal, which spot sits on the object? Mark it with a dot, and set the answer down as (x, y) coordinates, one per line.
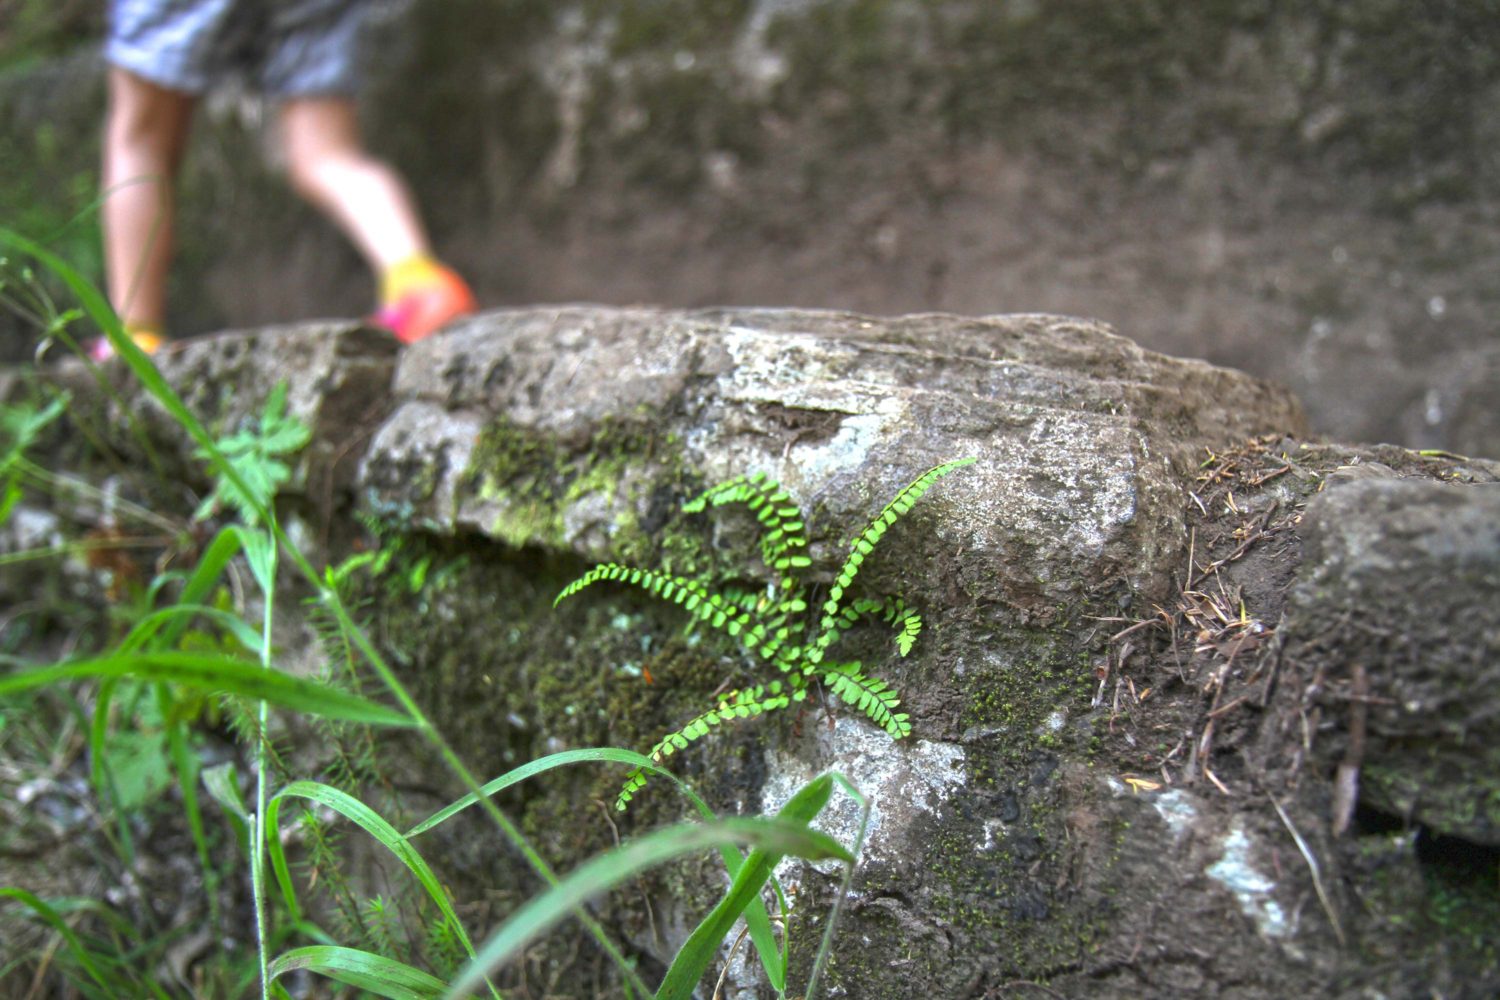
(426, 308)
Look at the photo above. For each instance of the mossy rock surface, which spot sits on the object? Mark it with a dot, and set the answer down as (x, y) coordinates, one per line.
(573, 436)
(1103, 750)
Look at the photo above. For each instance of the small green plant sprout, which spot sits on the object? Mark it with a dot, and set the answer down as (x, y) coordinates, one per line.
(780, 625)
(255, 455)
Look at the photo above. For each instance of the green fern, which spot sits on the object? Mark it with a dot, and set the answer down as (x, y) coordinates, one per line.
(775, 624)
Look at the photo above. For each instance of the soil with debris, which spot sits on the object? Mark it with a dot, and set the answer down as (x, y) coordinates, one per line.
(1229, 693)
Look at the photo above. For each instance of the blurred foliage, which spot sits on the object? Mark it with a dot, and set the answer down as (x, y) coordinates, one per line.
(50, 168)
(36, 29)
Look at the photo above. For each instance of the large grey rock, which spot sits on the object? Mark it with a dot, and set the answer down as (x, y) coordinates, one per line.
(576, 433)
(1402, 577)
(1080, 434)
(1030, 829)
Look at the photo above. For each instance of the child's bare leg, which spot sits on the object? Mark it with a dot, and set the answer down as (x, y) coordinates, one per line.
(369, 201)
(145, 132)
(364, 197)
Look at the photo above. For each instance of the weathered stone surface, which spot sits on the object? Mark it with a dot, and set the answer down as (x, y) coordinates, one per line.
(1076, 431)
(1402, 577)
(579, 432)
(1035, 827)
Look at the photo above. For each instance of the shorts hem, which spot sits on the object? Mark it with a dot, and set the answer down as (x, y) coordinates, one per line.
(148, 66)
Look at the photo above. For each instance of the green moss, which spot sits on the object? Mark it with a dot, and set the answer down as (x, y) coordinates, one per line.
(1450, 896)
(1030, 698)
(535, 479)
(998, 904)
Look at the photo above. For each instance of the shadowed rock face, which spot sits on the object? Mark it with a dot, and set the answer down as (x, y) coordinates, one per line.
(1011, 836)
(1402, 578)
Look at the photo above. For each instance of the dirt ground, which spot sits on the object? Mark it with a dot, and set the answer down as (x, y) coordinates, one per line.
(1233, 183)
(1380, 319)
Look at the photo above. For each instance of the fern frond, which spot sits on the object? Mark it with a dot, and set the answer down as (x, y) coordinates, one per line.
(870, 695)
(866, 541)
(777, 623)
(911, 627)
(893, 611)
(741, 704)
(783, 543)
(710, 608)
(752, 599)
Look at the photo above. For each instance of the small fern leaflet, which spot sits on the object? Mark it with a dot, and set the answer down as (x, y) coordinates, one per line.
(870, 695)
(742, 704)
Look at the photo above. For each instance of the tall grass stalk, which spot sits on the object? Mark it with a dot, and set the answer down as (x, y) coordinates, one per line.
(263, 541)
(141, 365)
(262, 765)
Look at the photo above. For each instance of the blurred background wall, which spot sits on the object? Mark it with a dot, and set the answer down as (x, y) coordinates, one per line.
(1306, 190)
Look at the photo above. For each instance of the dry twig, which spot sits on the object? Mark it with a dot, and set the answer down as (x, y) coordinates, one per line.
(1312, 866)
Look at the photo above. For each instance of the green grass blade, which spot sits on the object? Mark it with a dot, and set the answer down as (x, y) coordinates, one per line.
(101, 775)
(372, 823)
(166, 621)
(185, 765)
(223, 785)
(755, 916)
(613, 867)
(541, 765)
(825, 947)
(703, 944)
(121, 927)
(171, 622)
(217, 673)
(225, 545)
(55, 920)
(384, 977)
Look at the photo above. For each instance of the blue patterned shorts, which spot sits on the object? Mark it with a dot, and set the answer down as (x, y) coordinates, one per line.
(283, 48)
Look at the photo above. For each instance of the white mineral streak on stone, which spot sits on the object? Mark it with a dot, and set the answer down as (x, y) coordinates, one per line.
(761, 66)
(1176, 810)
(1067, 482)
(1099, 502)
(1250, 887)
(900, 778)
(794, 377)
(846, 450)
